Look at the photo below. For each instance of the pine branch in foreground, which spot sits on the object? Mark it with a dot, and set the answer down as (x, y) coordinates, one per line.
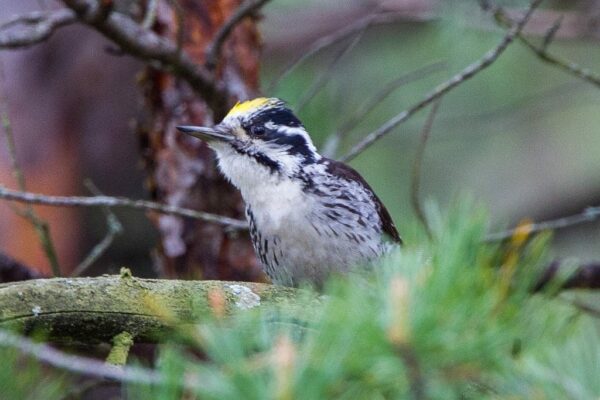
(439, 321)
(450, 318)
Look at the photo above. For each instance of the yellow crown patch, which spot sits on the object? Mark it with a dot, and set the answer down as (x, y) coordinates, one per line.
(249, 106)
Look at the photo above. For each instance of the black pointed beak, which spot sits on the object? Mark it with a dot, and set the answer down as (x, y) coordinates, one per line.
(206, 134)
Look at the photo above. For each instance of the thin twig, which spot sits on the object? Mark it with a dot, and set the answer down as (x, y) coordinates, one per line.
(471, 70)
(152, 48)
(549, 36)
(26, 19)
(332, 39)
(180, 34)
(320, 81)
(590, 214)
(541, 51)
(132, 38)
(41, 227)
(414, 371)
(44, 24)
(416, 172)
(122, 202)
(150, 16)
(330, 146)
(564, 64)
(246, 9)
(17, 172)
(114, 228)
(369, 105)
(78, 364)
(121, 345)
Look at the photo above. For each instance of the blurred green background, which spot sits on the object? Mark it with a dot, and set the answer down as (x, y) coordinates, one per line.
(522, 137)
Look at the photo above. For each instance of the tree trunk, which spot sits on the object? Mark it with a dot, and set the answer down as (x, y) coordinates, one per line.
(181, 170)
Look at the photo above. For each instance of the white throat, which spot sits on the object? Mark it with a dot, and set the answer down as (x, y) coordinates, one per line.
(259, 185)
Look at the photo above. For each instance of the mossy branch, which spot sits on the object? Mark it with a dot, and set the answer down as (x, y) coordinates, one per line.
(92, 310)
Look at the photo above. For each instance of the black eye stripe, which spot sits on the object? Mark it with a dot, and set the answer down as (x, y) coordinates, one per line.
(272, 126)
(257, 130)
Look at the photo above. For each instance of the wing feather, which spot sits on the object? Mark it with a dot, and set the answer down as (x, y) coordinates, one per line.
(346, 172)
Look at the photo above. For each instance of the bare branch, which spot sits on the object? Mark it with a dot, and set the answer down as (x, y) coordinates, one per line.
(541, 51)
(551, 34)
(330, 147)
(488, 59)
(590, 214)
(416, 172)
(121, 202)
(25, 19)
(121, 345)
(41, 227)
(213, 50)
(334, 38)
(114, 229)
(77, 364)
(146, 45)
(42, 26)
(150, 16)
(130, 36)
(321, 80)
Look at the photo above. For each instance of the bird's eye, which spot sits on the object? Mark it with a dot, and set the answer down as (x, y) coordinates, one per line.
(257, 130)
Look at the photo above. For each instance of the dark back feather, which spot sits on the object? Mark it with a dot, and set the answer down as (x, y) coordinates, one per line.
(346, 172)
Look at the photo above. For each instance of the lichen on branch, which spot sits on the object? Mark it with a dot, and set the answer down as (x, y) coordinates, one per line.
(93, 310)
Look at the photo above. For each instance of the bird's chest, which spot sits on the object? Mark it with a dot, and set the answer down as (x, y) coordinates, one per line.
(273, 208)
(298, 239)
(282, 236)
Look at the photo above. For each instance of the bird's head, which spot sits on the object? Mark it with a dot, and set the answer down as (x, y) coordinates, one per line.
(261, 132)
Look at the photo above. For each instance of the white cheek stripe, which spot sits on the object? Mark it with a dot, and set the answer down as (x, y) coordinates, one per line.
(290, 131)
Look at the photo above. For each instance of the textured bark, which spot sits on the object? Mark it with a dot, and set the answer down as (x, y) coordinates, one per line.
(92, 310)
(181, 170)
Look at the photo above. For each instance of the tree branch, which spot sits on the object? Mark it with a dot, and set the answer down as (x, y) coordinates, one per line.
(590, 214)
(416, 172)
(541, 52)
(320, 81)
(332, 39)
(488, 59)
(121, 344)
(146, 45)
(357, 115)
(122, 202)
(213, 50)
(77, 364)
(41, 226)
(93, 310)
(114, 228)
(42, 26)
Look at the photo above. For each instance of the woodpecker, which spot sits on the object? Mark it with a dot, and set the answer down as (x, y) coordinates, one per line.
(309, 216)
